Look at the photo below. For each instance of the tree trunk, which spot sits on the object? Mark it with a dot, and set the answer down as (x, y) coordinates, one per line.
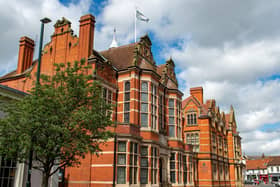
(45, 181)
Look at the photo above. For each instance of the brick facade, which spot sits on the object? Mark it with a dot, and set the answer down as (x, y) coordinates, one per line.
(215, 139)
(153, 145)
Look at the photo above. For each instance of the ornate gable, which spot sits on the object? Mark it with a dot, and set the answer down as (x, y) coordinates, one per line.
(143, 49)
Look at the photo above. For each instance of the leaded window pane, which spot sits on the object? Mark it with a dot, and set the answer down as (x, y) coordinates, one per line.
(172, 177)
(144, 176)
(144, 107)
(126, 117)
(135, 175)
(171, 103)
(144, 87)
(121, 175)
(171, 120)
(144, 162)
(122, 147)
(172, 156)
(171, 131)
(127, 96)
(144, 120)
(121, 159)
(135, 160)
(172, 165)
(171, 111)
(126, 107)
(127, 86)
(144, 151)
(144, 97)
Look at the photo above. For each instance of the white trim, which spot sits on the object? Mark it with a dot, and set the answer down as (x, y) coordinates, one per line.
(101, 165)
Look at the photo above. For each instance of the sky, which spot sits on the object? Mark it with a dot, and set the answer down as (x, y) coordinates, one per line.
(231, 48)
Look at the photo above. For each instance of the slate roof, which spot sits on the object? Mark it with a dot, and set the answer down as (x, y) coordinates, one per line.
(275, 161)
(257, 164)
(120, 57)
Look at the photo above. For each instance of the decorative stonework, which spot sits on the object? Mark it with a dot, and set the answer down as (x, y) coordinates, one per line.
(62, 22)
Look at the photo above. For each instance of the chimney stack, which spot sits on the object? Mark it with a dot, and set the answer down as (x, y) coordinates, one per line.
(197, 92)
(25, 56)
(86, 36)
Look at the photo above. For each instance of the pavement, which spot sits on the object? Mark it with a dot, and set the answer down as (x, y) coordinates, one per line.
(261, 185)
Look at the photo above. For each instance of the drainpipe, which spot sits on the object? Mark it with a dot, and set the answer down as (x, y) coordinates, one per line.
(139, 95)
(115, 136)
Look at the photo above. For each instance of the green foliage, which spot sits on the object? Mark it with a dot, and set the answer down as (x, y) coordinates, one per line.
(63, 119)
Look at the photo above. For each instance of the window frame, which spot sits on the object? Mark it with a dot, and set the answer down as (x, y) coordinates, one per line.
(144, 113)
(171, 116)
(126, 101)
(121, 165)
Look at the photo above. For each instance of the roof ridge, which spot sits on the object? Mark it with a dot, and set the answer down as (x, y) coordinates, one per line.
(122, 46)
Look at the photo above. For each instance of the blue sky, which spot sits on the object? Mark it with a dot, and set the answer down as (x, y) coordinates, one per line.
(231, 48)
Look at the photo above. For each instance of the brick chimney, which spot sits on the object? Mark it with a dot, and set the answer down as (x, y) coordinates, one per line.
(86, 36)
(25, 56)
(197, 92)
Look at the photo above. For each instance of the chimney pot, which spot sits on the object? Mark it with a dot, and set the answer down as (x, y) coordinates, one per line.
(25, 56)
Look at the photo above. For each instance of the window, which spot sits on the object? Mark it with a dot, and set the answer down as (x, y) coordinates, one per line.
(220, 145)
(154, 165)
(121, 163)
(226, 172)
(107, 96)
(191, 117)
(172, 168)
(126, 101)
(213, 141)
(180, 168)
(214, 171)
(185, 170)
(171, 118)
(160, 113)
(179, 127)
(133, 163)
(144, 104)
(225, 146)
(193, 139)
(154, 106)
(221, 172)
(144, 165)
(190, 169)
(7, 172)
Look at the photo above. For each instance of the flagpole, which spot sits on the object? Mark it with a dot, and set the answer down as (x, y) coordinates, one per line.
(135, 25)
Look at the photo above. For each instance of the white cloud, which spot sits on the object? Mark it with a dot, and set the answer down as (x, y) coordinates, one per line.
(22, 18)
(225, 46)
(238, 64)
(258, 142)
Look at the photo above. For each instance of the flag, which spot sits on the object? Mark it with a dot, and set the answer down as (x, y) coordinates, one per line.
(141, 16)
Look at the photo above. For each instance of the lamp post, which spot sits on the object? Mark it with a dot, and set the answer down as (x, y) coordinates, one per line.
(43, 21)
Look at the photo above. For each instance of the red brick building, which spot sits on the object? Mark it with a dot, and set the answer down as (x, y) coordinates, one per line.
(151, 147)
(215, 139)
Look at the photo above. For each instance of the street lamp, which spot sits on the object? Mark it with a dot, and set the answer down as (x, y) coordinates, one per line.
(43, 21)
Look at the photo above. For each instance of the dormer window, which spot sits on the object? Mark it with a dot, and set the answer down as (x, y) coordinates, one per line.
(192, 118)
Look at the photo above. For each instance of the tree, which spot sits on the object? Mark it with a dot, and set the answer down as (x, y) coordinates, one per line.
(62, 120)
